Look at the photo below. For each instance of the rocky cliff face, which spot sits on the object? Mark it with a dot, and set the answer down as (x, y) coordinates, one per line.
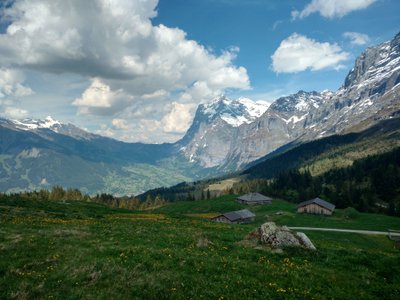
(370, 93)
(212, 134)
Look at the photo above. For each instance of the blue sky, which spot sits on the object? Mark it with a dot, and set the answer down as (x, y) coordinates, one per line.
(257, 27)
(136, 70)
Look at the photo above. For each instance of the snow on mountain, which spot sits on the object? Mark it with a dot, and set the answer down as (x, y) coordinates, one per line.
(370, 91)
(31, 124)
(299, 103)
(254, 108)
(234, 132)
(40, 126)
(234, 112)
(230, 133)
(377, 69)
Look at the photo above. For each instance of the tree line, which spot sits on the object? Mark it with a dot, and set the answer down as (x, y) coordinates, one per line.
(58, 193)
(371, 184)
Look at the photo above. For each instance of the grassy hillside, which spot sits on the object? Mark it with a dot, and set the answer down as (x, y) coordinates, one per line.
(75, 250)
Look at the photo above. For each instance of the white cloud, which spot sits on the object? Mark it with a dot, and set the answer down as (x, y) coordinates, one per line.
(357, 38)
(12, 88)
(131, 63)
(11, 84)
(14, 113)
(108, 132)
(99, 99)
(332, 8)
(298, 53)
(179, 118)
(120, 124)
(147, 130)
(115, 41)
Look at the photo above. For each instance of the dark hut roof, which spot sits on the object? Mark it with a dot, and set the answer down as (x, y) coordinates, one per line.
(319, 202)
(254, 197)
(238, 215)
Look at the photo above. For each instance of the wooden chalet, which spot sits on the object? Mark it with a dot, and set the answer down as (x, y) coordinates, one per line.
(254, 198)
(316, 206)
(235, 217)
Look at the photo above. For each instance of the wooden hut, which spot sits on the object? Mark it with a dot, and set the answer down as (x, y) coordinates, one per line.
(235, 217)
(254, 198)
(316, 206)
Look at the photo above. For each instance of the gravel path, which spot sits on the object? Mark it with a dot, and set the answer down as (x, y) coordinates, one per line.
(347, 230)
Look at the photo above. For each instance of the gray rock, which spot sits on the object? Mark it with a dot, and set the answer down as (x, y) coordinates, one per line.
(277, 237)
(305, 241)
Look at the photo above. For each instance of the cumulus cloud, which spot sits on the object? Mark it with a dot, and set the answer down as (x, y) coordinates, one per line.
(357, 38)
(115, 41)
(120, 124)
(299, 53)
(99, 99)
(14, 113)
(331, 8)
(11, 84)
(179, 118)
(147, 130)
(129, 61)
(12, 88)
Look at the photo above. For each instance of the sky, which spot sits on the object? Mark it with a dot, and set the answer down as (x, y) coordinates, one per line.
(136, 70)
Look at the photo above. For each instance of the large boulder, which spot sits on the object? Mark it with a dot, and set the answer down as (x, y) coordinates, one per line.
(277, 237)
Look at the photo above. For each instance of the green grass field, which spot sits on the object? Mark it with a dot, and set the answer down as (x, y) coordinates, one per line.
(56, 250)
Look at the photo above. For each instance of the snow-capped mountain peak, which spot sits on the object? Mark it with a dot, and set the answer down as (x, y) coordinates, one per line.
(48, 123)
(31, 124)
(234, 112)
(300, 102)
(254, 108)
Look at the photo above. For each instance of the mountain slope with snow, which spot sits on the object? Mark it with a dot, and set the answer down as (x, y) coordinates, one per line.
(48, 125)
(369, 94)
(208, 141)
(233, 112)
(30, 124)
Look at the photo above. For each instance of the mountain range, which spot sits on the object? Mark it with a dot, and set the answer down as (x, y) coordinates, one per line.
(370, 93)
(225, 136)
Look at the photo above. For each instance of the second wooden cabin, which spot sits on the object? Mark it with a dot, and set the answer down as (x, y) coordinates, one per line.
(316, 206)
(235, 217)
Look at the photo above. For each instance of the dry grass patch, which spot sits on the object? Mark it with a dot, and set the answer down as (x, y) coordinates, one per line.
(223, 185)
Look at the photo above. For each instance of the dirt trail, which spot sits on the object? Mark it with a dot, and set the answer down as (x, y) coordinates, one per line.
(347, 230)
